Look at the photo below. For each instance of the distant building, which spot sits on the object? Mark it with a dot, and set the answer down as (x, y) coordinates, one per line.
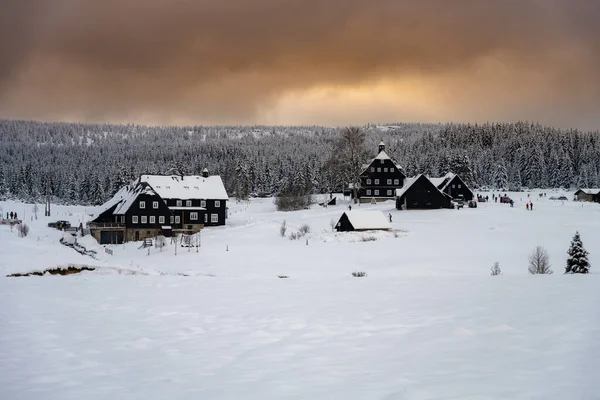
(420, 193)
(588, 195)
(454, 186)
(380, 178)
(161, 205)
(362, 221)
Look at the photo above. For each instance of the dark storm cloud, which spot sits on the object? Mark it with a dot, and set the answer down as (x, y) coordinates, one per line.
(222, 61)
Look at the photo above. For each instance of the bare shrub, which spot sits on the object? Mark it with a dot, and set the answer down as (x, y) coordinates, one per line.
(283, 229)
(495, 270)
(304, 229)
(282, 276)
(539, 262)
(368, 238)
(332, 223)
(294, 236)
(359, 274)
(23, 230)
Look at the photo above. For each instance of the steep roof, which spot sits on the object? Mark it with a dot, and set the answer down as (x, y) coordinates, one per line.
(408, 182)
(443, 182)
(124, 198)
(365, 220)
(589, 190)
(187, 187)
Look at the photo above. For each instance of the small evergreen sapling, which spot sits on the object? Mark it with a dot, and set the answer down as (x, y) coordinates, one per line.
(577, 263)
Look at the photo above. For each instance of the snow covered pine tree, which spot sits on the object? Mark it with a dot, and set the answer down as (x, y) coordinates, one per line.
(577, 263)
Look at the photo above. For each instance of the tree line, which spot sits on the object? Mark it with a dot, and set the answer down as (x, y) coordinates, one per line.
(88, 163)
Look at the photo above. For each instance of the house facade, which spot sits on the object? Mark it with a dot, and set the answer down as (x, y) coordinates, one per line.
(161, 205)
(588, 195)
(420, 193)
(454, 186)
(380, 178)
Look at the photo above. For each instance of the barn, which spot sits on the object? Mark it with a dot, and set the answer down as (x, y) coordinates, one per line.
(420, 193)
(588, 195)
(362, 221)
(454, 186)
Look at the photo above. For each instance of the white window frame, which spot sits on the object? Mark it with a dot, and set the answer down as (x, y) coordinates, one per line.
(194, 216)
(172, 219)
(152, 219)
(396, 181)
(203, 203)
(376, 192)
(177, 219)
(459, 185)
(368, 181)
(381, 161)
(214, 218)
(389, 181)
(188, 203)
(372, 169)
(378, 169)
(205, 218)
(134, 219)
(385, 169)
(217, 204)
(144, 219)
(142, 205)
(453, 186)
(122, 219)
(392, 169)
(377, 181)
(368, 192)
(179, 203)
(155, 204)
(389, 192)
(161, 219)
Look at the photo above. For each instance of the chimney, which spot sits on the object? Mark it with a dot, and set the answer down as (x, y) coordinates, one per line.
(381, 146)
(205, 173)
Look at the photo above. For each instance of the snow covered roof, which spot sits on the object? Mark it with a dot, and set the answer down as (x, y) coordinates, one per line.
(365, 220)
(382, 156)
(589, 190)
(443, 180)
(124, 198)
(408, 182)
(381, 143)
(187, 187)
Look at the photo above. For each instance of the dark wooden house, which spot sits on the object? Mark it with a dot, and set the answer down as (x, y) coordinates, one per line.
(362, 221)
(380, 178)
(454, 186)
(161, 205)
(588, 195)
(420, 193)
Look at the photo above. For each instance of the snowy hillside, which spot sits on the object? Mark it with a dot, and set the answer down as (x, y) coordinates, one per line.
(427, 322)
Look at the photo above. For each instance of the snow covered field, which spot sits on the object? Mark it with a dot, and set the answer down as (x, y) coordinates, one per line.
(428, 322)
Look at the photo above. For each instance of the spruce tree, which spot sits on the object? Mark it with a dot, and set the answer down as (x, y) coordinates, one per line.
(577, 263)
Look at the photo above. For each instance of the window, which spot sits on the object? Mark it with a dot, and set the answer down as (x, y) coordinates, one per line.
(188, 203)
(368, 181)
(179, 203)
(378, 169)
(134, 219)
(203, 203)
(389, 181)
(122, 219)
(177, 219)
(372, 169)
(161, 219)
(392, 169)
(155, 204)
(214, 218)
(376, 192)
(142, 204)
(144, 219)
(205, 218)
(194, 216)
(368, 192)
(385, 170)
(389, 192)
(377, 181)
(396, 181)
(453, 186)
(459, 185)
(217, 203)
(152, 219)
(172, 219)
(381, 161)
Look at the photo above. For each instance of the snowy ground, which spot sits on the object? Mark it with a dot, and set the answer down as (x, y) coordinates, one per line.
(428, 322)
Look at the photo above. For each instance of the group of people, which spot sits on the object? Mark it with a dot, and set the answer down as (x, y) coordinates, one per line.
(12, 215)
(529, 206)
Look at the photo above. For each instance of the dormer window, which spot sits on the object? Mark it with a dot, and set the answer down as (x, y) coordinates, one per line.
(188, 203)
(179, 203)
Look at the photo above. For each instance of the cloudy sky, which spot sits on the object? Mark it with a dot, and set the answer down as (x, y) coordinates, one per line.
(331, 62)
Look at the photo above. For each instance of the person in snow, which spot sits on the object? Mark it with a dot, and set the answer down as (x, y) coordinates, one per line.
(511, 202)
(531, 205)
(350, 208)
(16, 215)
(527, 206)
(11, 215)
(390, 216)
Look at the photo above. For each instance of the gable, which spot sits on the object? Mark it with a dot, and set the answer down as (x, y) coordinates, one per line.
(419, 180)
(366, 220)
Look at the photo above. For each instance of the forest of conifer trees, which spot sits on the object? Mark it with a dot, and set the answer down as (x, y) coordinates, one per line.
(86, 164)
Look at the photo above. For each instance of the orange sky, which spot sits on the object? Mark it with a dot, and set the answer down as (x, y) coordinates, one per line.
(334, 62)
